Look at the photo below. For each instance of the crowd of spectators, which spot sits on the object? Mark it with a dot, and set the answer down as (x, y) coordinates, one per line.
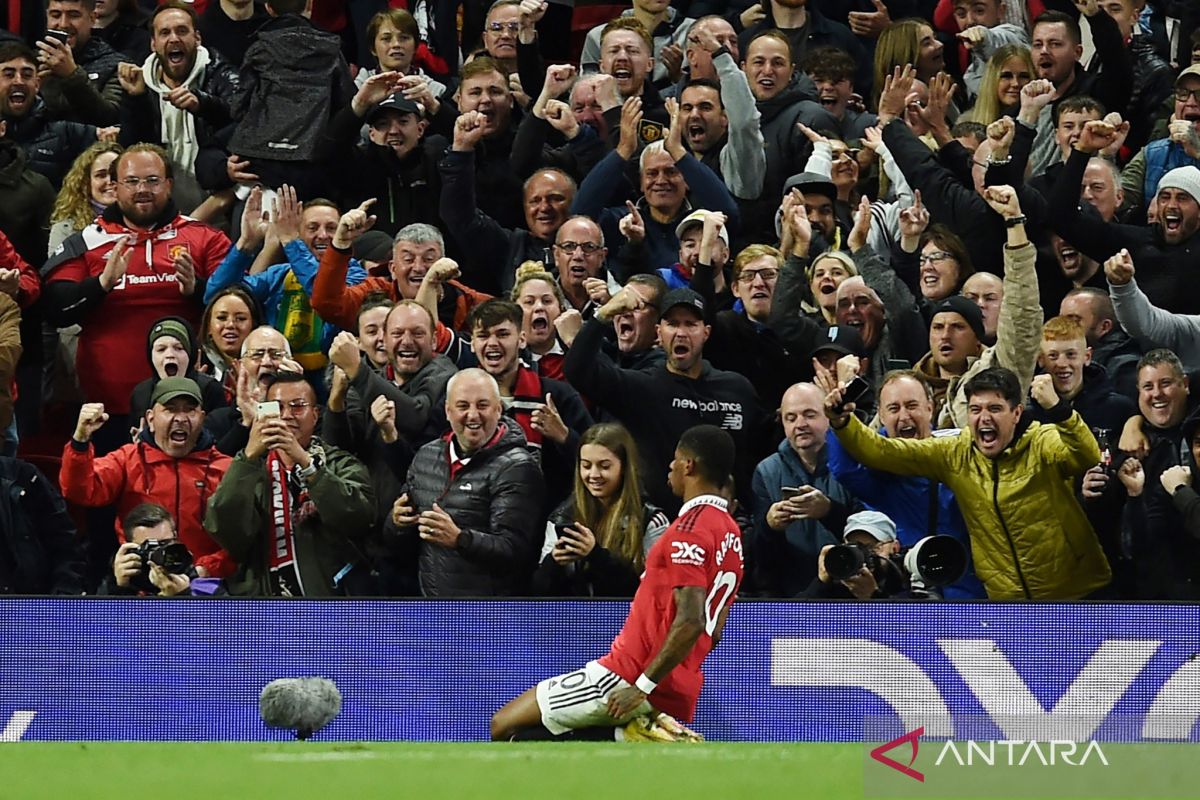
(412, 298)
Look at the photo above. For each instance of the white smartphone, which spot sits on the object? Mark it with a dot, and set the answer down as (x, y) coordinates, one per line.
(267, 408)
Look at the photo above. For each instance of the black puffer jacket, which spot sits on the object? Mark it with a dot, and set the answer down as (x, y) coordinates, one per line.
(293, 79)
(92, 92)
(51, 145)
(496, 502)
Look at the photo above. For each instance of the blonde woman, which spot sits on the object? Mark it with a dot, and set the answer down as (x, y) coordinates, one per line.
(1007, 72)
(87, 190)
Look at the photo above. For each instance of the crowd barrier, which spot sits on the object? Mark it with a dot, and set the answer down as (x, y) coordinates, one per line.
(95, 669)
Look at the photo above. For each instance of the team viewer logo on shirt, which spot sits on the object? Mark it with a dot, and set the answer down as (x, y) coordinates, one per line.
(687, 553)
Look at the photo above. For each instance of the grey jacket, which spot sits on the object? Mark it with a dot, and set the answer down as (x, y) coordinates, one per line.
(1179, 333)
(742, 162)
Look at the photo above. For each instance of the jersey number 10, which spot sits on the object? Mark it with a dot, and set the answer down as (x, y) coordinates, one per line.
(718, 597)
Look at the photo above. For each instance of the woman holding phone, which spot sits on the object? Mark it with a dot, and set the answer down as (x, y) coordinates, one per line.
(597, 540)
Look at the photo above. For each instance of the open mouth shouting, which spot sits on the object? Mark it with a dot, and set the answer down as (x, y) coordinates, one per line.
(406, 357)
(907, 430)
(492, 357)
(988, 437)
(171, 367)
(19, 99)
(1172, 222)
(179, 433)
(626, 330)
(624, 78)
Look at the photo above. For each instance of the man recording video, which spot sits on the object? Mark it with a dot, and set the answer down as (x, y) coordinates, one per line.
(152, 562)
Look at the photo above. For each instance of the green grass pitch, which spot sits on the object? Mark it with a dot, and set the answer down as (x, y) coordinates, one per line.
(428, 771)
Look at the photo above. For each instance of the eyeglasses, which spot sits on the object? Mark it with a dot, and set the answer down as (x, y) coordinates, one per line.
(259, 355)
(1182, 94)
(152, 183)
(570, 247)
(511, 27)
(296, 406)
(936, 255)
(748, 276)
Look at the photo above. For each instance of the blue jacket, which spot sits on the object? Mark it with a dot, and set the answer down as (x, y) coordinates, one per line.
(906, 500)
(607, 183)
(268, 285)
(1161, 157)
(787, 561)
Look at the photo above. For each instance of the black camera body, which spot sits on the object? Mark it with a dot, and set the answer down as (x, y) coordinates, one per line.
(918, 572)
(171, 555)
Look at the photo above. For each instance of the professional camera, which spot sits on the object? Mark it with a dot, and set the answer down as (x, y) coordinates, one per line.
(918, 572)
(932, 563)
(843, 561)
(171, 555)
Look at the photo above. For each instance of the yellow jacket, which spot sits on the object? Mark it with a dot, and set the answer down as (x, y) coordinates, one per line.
(1029, 537)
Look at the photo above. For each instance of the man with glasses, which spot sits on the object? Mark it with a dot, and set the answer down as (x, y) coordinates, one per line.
(291, 508)
(139, 261)
(1180, 148)
(579, 257)
(500, 33)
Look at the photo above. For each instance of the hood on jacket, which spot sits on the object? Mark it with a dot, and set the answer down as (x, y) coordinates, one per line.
(1189, 430)
(12, 162)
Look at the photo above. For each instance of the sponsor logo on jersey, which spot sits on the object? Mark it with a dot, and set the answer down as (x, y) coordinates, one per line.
(687, 553)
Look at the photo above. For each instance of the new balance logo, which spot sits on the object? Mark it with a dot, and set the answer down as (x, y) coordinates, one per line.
(687, 553)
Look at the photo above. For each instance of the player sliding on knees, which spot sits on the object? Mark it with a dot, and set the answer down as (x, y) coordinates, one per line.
(651, 674)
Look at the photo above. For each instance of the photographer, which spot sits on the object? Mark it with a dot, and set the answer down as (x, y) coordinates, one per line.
(135, 571)
(873, 532)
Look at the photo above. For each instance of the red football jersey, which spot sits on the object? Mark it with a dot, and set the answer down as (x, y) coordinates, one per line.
(702, 547)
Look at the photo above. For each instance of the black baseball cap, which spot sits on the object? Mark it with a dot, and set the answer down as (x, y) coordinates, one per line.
(683, 297)
(842, 339)
(811, 183)
(395, 102)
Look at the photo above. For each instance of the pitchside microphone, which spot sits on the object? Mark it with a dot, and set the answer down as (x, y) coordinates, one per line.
(304, 705)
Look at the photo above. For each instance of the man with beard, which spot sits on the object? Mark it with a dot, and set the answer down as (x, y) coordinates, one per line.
(1165, 556)
(551, 413)
(798, 505)
(666, 25)
(783, 98)
(291, 508)
(418, 247)
(1112, 348)
(179, 98)
(173, 462)
(283, 290)
(1180, 148)
(956, 332)
(1163, 251)
(1013, 480)
(78, 76)
(397, 162)
(1057, 45)
(658, 404)
(806, 28)
(474, 498)
(51, 145)
(673, 182)
(494, 251)
(920, 507)
(139, 261)
(733, 151)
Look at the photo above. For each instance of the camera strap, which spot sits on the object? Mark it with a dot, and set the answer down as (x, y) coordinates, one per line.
(932, 524)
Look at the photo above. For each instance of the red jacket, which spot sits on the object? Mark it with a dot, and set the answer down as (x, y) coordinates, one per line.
(30, 285)
(138, 473)
(115, 328)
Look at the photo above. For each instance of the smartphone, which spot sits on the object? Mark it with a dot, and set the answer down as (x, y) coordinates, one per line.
(267, 408)
(793, 491)
(856, 390)
(62, 36)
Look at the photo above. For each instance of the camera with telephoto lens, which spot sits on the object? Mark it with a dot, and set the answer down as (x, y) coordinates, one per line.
(170, 554)
(918, 572)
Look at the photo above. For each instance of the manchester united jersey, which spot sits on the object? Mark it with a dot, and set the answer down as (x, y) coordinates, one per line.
(702, 547)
